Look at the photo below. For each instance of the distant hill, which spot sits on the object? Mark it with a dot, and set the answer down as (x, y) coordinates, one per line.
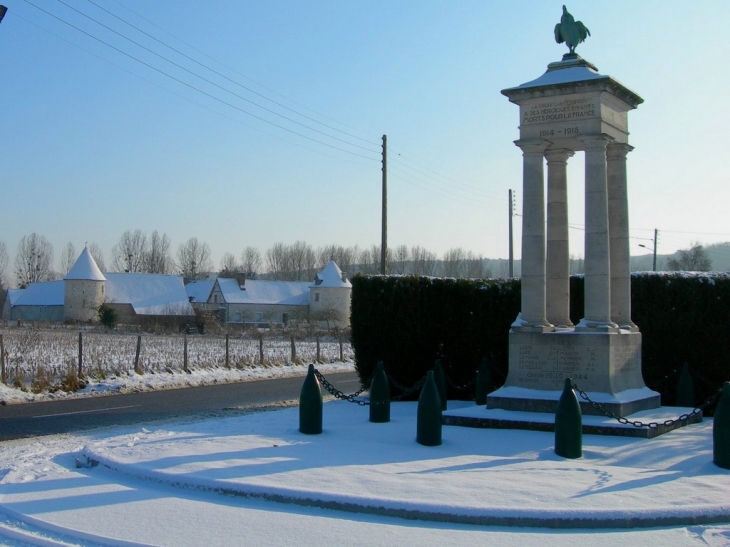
(719, 253)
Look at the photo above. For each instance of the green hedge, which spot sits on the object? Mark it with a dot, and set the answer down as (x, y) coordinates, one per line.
(409, 322)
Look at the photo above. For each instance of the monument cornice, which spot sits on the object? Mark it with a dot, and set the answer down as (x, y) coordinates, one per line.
(570, 77)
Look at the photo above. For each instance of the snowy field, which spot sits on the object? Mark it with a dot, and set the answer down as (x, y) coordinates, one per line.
(108, 361)
(253, 479)
(250, 478)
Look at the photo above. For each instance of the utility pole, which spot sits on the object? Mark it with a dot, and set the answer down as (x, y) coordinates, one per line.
(384, 233)
(656, 240)
(511, 237)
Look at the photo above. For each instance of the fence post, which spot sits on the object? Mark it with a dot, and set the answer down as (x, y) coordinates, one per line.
(137, 368)
(3, 375)
(342, 352)
(227, 359)
(185, 353)
(568, 424)
(261, 349)
(81, 356)
(429, 414)
(293, 349)
(318, 360)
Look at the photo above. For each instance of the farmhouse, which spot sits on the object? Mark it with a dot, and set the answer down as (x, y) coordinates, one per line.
(326, 300)
(140, 298)
(136, 298)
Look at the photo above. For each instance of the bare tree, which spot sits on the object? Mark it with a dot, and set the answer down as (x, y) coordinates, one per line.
(193, 259)
(400, 260)
(34, 260)
(251, 261)
(4, 261)
(228, 263)
(276, 261)
(68, 257)
(694, 259)
(423, 262)
(98, 255)
(454, 263)
(129, 254)
(157, 258)
(301, 260)
(344, 257)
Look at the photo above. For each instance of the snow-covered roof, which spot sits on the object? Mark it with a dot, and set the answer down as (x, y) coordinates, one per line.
(13, 295)
(255, 291)
(574, 71)
(200, 290)
(85, 268)
(149, 294)
(45, 293)
(330, 276)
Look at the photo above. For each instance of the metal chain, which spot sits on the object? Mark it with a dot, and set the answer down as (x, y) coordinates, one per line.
(459, 387)
(415, 387)
(650, 425)
(339, 394)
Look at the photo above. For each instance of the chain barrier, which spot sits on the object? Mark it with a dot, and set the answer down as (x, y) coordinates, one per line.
(650, 425)
(332, 390)
(406, 391)
(461, 387)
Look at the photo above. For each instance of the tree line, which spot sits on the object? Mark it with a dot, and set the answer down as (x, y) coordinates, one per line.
(136, 251)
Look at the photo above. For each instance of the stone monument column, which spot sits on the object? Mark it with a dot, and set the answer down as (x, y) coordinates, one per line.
(597, 249)
(533, 235)
(558, 252)
(618, 225)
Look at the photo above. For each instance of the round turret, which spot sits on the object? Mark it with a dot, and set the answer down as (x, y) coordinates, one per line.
(84, 287)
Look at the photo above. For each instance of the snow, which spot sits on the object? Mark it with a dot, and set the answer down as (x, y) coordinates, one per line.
(149, 294)
(44, 293)
(85, 268)
(330, 276)
(256, 291)
(248, 477)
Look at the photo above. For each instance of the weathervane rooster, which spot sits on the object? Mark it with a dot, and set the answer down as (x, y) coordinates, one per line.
(570, 31)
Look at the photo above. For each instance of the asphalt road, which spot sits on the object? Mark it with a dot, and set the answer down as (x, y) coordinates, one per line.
(52, 417)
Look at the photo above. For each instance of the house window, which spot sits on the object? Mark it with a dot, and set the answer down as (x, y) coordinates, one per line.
(215, 299)
(258, 317)
(316, 297)
(284, 318)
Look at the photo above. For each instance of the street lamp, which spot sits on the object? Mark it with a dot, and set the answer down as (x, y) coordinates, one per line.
(653, 249)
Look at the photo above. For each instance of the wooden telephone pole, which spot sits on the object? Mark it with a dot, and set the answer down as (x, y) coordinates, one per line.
(384, 232)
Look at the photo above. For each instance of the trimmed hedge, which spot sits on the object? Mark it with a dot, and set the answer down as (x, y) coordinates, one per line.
(409, 322)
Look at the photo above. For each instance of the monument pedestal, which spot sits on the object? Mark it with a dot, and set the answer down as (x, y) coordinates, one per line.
(606, 365)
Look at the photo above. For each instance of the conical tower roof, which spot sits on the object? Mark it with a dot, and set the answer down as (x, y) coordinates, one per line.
(331, 276)
(85, 268)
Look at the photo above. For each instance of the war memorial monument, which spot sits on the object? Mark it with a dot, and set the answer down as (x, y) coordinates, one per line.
(573, 108)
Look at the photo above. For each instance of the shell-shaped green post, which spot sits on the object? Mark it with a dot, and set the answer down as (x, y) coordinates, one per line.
(483, 383)
(440, 379)
(568, 424)
(310, 405)
(379, 396)
(685, 395)
(429, 414)
(721, 430)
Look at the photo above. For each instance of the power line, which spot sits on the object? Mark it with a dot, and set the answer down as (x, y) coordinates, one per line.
(208, 80)
(219, 73)
(197, 89)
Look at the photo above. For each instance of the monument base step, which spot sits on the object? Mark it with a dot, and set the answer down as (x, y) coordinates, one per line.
(497, 418)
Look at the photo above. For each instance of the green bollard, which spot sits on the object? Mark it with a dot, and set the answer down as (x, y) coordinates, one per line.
(721, 430)
(440, 379)
(429, 414)
(310, 405)
(685, 394)
(379, 396)
(568, 424)
(483, 383)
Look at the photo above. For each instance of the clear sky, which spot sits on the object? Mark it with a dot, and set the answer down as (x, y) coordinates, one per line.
(98, 137)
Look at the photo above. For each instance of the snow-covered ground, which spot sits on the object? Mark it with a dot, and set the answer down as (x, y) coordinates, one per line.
(253, 479)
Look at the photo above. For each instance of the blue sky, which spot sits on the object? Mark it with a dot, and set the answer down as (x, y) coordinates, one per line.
(94, 142)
